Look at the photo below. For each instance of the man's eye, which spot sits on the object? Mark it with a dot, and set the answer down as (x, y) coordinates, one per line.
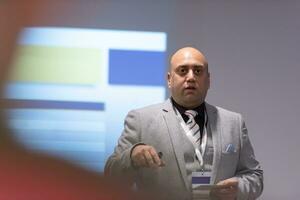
(182, 70)
(197, 71)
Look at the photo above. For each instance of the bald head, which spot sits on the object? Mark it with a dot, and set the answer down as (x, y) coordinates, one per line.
(186, 53)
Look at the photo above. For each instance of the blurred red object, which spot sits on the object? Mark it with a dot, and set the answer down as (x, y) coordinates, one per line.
(28, 175)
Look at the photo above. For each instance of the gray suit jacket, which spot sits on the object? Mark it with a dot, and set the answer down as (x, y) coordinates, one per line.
(158, 126)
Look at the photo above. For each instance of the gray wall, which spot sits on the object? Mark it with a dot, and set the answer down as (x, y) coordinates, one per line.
(253, 53)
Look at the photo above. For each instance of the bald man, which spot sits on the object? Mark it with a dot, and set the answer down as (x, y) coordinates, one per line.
(164, 147)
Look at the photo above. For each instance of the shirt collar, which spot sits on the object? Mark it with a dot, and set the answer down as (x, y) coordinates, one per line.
(200, 109)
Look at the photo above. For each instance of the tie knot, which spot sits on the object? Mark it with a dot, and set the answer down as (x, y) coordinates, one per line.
(191, 113)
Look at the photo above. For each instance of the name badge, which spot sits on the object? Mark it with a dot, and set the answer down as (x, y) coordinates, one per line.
(200, 178)
(201, 185)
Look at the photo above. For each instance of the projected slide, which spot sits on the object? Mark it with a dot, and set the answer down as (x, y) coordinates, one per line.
(71, 88)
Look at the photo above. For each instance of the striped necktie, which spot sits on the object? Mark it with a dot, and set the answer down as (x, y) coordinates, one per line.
(193, 127)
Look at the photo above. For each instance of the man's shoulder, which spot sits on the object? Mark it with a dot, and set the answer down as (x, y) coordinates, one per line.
(227, 112)
(147, 112)
(222, 111)
(151, 108)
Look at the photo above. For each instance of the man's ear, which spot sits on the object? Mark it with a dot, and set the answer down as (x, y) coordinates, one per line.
(169, 79)
(208, 80)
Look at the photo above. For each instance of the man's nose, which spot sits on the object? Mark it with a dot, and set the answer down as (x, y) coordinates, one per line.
(190, 75)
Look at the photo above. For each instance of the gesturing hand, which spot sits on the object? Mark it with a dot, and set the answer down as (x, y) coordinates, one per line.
(226, 189)
(146, 156)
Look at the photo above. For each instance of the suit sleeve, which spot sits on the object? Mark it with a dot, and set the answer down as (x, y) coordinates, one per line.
(119, 163)
(249, 172)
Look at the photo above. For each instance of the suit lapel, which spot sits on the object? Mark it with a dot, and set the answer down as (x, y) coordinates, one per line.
(215, 127)
(175, 133)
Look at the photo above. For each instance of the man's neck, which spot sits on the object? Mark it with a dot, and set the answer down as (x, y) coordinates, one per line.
(200, 108)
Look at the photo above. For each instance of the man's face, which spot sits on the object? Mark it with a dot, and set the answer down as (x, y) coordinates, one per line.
(188, 78)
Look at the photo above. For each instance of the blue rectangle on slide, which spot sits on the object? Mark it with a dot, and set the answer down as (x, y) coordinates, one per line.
(128, 67)
(52, 104)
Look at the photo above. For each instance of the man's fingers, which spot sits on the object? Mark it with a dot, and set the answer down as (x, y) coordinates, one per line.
(229, 182)
(149, 159)
(162, 163)
(139, 160)
(155, 157)
(219, 187)
(146, 156)
(226, 189)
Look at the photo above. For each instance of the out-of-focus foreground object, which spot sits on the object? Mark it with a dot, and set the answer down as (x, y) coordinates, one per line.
(28, 175)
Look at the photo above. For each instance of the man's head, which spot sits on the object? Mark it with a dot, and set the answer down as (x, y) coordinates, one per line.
(188, 77)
